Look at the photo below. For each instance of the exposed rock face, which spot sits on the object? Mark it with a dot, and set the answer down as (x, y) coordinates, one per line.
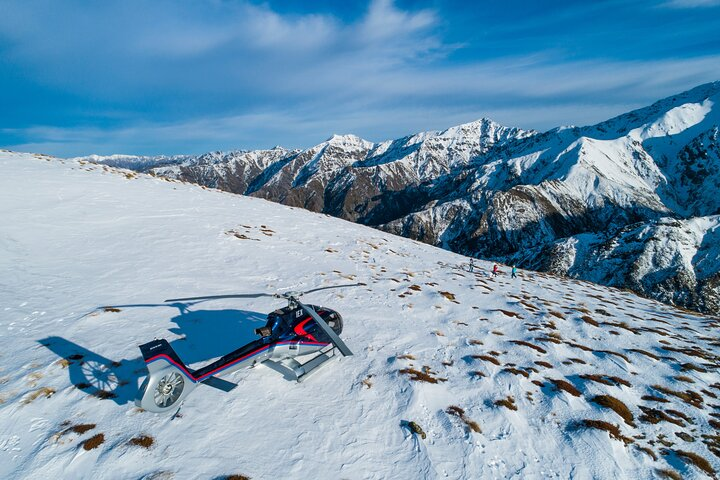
(587, 202)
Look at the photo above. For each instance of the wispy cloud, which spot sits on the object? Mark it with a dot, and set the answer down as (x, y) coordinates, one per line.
(164, 76)
(691, 3)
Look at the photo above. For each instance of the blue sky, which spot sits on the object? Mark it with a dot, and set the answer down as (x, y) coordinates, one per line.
(190, 76)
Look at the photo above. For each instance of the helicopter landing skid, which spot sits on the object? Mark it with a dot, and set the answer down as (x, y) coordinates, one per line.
(292, 369)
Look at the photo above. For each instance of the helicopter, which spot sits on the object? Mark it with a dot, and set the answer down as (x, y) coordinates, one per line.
(298, 338)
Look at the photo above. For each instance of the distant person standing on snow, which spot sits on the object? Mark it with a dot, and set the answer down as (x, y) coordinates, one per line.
(514, 272)
(471, 265)
(496, 270)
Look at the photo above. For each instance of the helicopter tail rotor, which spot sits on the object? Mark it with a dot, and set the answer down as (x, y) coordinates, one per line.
(169, 381)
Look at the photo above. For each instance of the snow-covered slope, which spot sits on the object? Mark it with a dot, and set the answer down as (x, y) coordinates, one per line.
(89, 253)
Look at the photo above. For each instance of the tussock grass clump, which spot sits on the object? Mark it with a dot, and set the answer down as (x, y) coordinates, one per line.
(529, 345)
(683, 378)
(235, 477)
(144, 441)
(94, 441)
(647, 451)
(418, 376)
(668, 474)
(516, 371)
(549, 339)
(543, 364)
(475, 342)
(406, 356)
(557, 314)
(693, 352)
(577, 345)
(653, 398)
(46, 392)
(688, 396)
(617, 354)
(697, 460)
(643, 352)
(111, 309)
(508, 403)
(607, 401)
(677, 414)
(612, 429)
(477, 373)
(508, 313)
(449, 296)
(565, 386)
(80, 429)
(588, 319)
(104, 394)
(606, 380)
(691, 366)
(460, 413)
(486, 358)
(655, 416)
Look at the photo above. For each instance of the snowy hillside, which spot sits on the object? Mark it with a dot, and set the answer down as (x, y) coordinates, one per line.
(533, 377)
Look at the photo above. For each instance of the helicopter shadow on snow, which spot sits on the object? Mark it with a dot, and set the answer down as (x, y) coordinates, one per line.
(203, 336)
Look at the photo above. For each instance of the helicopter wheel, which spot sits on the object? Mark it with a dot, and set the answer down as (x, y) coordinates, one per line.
(168, 390)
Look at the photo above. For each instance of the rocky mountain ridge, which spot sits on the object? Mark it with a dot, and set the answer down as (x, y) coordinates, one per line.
(519, 196)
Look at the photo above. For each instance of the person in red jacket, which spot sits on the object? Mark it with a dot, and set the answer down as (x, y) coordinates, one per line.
(496, 270)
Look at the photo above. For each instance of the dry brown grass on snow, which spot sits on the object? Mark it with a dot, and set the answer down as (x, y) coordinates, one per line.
(655, 416)
(80, 429)
(508, 403)
(653, 398)
(508, 313)
(406, 356)
(589, 319)
(615, 405)
(668, 473)
(46, 392)
(543, 364)
(94, 441)
(516, 371)
(643, 352)
(648, 451)
(418, 376)
(528, 344)
(612, 429)
(486, 358)
(144, 441)
(460, 413)
(691, 366)
(606, 380)
(688, 396)
(697, 460)
(565, 386)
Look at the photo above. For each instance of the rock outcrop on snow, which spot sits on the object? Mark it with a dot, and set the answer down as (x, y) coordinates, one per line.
(503, 193)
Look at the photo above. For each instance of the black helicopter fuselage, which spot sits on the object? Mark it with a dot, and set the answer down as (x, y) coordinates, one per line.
(289, 332)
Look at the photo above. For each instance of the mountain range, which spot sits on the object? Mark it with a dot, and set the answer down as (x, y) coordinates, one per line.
(630, 202)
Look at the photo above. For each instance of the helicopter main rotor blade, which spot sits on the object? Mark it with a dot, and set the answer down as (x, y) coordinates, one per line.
(335, 286)
(337, 341)
(215, 297)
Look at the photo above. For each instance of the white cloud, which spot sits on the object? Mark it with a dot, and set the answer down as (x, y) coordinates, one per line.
(691, 3)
